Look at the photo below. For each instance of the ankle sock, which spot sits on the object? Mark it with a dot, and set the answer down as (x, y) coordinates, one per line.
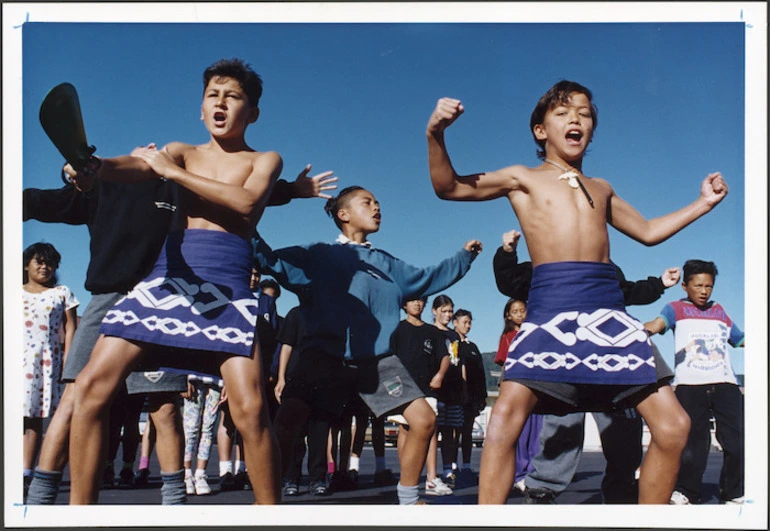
(173, 491)
(225, 467)
(407, 495)
(144, 462)
(44, 487)
(240, 466)
(354, 462)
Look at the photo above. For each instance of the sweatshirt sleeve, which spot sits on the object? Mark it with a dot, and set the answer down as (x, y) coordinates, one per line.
(61, 205)
(289, 266)
(512, 278)
(418, 282)
(282, 193)
(639, 292)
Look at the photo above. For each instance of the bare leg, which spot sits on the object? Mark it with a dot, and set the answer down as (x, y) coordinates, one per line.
(53, 454)
(167, 419)
(422, 424)
(248, 407)
(669, 427)
(33, 436)
(431, 463)
(97, 384)
(498, 459)
(403, 435)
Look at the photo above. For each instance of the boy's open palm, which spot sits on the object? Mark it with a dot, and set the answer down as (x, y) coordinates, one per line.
(446, 112)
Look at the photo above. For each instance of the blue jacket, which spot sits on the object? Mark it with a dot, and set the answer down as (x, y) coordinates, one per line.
(351, 295)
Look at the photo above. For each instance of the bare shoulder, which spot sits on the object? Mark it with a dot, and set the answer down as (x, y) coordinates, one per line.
(178, 150)
(266, 161)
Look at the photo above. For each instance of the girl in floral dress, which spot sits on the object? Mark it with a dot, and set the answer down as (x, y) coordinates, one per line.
(49, 324)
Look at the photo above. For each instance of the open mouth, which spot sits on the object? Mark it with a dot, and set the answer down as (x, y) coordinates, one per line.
(574, 136)
(219, 117)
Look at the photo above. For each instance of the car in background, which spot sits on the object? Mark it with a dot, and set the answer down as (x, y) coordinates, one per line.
(391, 433)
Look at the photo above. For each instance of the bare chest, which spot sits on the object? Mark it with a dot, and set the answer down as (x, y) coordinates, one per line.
(230, 168)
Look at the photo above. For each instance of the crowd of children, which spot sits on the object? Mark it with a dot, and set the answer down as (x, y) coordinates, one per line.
(285, 387)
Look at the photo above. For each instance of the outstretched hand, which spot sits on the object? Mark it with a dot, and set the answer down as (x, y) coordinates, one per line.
(314, 186)
(511, 240)
(446, 112)
(473, 246)
(713, 189)
(670, 276)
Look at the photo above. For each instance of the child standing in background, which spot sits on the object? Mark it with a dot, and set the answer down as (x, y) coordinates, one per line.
(50, 319)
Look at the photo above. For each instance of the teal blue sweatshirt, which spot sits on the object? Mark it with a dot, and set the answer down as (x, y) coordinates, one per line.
(351, 295)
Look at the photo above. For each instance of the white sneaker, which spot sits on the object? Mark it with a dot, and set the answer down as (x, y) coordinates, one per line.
(735, 501)
(519, 485)
(189, 484)
(437, 487)
(201, 485)
(677, 498)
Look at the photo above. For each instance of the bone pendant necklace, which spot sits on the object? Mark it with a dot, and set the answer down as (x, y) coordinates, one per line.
(572, 178)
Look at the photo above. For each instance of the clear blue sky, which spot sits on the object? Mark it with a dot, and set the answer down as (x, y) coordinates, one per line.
(669, 80)
(355, 98)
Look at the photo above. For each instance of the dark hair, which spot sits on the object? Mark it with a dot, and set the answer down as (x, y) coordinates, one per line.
(442, 300)
(557, 95)
(44, 252)
(696, 267)
(270, 283)
(462, 313)
(334, 204)
(424, 300)
(509, 324)
(249, 80)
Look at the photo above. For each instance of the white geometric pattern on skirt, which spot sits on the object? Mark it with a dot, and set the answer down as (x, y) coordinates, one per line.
(587, 332)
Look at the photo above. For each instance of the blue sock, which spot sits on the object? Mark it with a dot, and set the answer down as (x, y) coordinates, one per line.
(407, 495)
(44, 487)
(173, 491)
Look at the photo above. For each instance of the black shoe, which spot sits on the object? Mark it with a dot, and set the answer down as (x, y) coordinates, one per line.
(242, 481)
(340, 481)
(227, 482)
(318, 488)
(353, 476)
(142, 477)
(450, 480)
(384, 478)
(27, 482)
(290, 488)
(108, 478)
(126, 479)
(539, 497)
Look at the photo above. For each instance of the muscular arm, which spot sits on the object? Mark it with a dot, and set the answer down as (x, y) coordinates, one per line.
(446, 182)
(242, 199)
(627, 220)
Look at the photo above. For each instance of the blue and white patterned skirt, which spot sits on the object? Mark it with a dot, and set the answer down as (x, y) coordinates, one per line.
(577, 330)
(196, 298)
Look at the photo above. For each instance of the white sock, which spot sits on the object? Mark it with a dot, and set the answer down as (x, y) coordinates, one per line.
(354, 462)
(240, 466)
(199, 473)
(187, 473)
(225, 467)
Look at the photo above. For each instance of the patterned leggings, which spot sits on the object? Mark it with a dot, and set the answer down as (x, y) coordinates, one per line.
(200, 414)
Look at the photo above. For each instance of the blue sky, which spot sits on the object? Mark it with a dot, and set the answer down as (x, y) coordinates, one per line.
(355, 98)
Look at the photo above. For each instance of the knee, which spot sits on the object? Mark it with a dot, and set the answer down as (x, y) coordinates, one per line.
(673, 432)
(90, 395)
(248, 412)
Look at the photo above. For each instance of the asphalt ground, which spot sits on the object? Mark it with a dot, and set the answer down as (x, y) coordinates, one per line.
(584, 489)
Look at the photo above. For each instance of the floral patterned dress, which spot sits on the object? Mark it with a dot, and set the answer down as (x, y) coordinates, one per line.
(44, 348)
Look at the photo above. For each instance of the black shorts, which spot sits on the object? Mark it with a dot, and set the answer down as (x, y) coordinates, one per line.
(323, 382)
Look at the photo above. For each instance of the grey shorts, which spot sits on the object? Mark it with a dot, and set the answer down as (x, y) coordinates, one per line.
(560, 398)
(85, 338)
(385, 385)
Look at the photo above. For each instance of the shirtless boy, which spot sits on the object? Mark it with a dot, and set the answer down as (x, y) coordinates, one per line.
(559, 361)
(195, 310)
